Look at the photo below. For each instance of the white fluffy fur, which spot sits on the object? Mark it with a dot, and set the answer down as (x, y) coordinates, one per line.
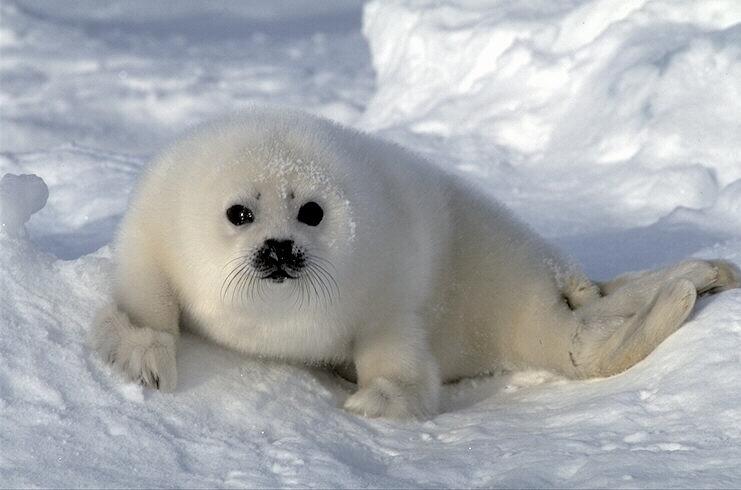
(430, 280)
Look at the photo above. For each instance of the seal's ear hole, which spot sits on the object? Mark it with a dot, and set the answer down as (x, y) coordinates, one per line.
(240, 215)
(310, 214)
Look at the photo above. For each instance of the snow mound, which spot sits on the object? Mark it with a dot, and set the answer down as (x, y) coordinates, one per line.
(616, 113)
(20, 197)
(587, 83)
(88, 191)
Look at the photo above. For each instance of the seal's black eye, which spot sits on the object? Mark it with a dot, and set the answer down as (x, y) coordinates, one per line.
(239, 215)
(310, 213)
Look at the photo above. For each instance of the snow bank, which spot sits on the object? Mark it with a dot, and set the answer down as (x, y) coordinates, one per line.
(599, 82)
(20, 197)
(640, 98)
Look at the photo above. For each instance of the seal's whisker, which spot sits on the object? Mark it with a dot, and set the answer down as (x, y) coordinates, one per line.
(245, 275)
(329, 277)
(326, 293)
(240, 257)
(314, 281)
(223, 290)
(317, 258)
(297, 299)
(310, 280)
(235, 275)
(320, 268)
(305, 290)
(226, 284)
(251, 286)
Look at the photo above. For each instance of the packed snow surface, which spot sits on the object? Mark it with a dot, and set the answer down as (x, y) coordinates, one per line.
(611, 126)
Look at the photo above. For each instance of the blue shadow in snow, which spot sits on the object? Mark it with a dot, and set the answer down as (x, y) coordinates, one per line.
(607, 254)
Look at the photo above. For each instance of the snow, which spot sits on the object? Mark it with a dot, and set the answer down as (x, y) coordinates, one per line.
(638, 97)
(20, 197)
(611, 126)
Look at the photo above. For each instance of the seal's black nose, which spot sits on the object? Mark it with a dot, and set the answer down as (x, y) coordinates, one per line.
(280, 250)
(278, 254)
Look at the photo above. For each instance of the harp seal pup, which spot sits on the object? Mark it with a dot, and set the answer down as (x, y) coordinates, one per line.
(280, 234)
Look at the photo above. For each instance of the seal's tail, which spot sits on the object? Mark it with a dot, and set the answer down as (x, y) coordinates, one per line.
(638, 311)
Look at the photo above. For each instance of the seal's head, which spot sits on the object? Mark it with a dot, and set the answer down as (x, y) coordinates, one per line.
(281, 242)
(265, 215)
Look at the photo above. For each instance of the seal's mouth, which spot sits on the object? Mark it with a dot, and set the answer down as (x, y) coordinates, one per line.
(278, 276)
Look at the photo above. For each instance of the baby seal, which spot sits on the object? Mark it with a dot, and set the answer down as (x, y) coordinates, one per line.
(280, 234)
